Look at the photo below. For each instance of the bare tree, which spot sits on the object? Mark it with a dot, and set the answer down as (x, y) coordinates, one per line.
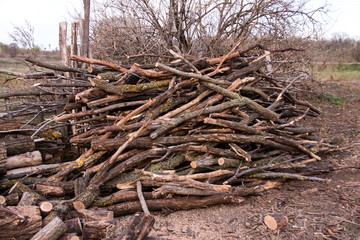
(24, 36)
(197, 26)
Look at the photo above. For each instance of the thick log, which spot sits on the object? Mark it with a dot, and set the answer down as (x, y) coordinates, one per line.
(24, 160)
(57, 67)
(12, 199)
(120, 90)
(73, 225)
(90, 157)
(45, 206)
(51, 231)
(28, 199)
(98, 229)
(84, 96)
(183, 191)
(276, 221)
(55, 189)
(139, 228)
(96, 215)
(39, 169)
(145, 142)
(174, 204)
(21, 189)
(9, 124)
(118, 197)
(2, 200)
(13, 226)
(19, 146)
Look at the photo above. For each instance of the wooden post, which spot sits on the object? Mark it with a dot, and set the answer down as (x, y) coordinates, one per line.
(74, 51)
(86, 30)
(74, 46)
(62, 43)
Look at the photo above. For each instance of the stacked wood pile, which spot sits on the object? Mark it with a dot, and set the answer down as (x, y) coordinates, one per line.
(189, 134)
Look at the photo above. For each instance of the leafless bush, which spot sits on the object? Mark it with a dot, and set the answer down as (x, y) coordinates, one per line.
(206, 27)
(23, 36)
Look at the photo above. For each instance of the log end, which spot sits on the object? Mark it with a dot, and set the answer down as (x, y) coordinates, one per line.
(276, 221)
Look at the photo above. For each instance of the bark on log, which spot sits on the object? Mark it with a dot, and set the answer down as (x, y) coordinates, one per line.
(24, 160)
(28, 199)
(139, 228)
(73, 225)
(39, 169)
(51, 231)
(96, 215)
(174, 204)
(57, 67)
(19, 146)
(9, 124)
(100, 110)
(3, 159)
(11, 226)
(98, 229)
(120, 90)
(12, 199)
(55, 189)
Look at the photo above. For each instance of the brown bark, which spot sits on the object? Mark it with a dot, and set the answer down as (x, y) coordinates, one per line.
(11, 226)
(98, 229)
(57, 67)
(146, 142)
(3, 157)
(73, 225)
(19, 146)
(9, 124)
(139, 228)
(96, 215)
(97, 111)
(28, 199)
(55, 189)
(174, 204)
(51, 231)
(12, 199)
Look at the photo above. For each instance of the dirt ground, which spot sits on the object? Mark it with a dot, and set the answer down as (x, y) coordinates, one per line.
(315, 210)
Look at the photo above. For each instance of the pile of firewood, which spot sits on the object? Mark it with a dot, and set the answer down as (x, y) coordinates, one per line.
(189, 134)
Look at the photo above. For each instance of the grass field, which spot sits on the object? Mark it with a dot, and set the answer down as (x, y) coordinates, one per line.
(337, 72)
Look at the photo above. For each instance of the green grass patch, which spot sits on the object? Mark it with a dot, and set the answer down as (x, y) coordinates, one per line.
(331, 98)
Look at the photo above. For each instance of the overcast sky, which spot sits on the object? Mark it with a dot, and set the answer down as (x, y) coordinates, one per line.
(45, 15)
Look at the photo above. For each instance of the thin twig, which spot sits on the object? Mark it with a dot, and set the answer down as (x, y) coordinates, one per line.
(141, 198)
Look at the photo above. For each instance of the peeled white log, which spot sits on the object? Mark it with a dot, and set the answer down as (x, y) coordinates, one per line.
(24, 160)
